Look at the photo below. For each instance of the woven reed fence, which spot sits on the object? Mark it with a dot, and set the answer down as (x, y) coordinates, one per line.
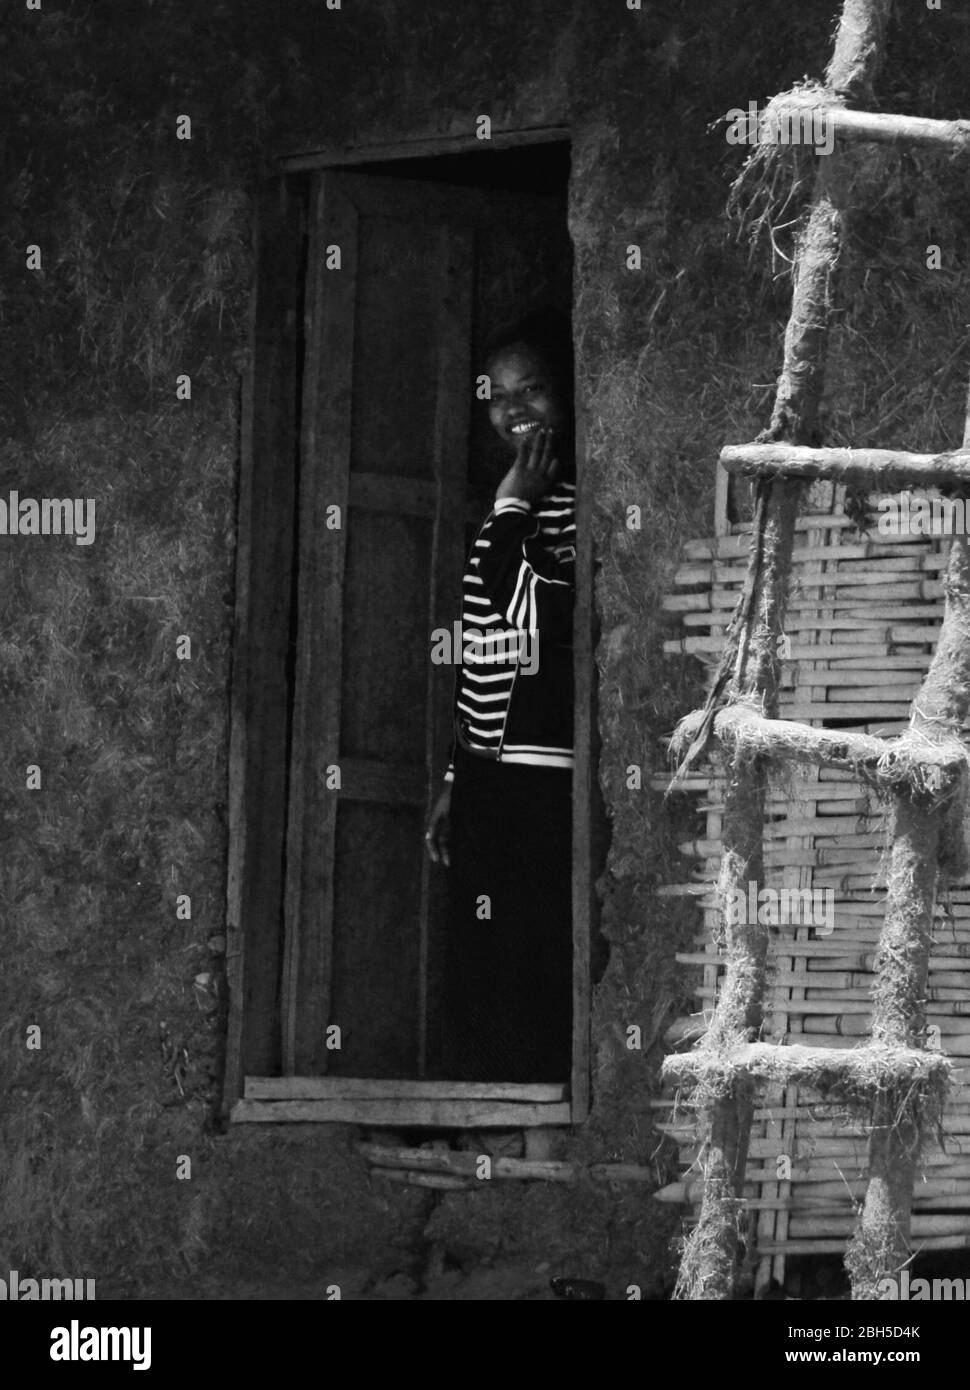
(861, 628)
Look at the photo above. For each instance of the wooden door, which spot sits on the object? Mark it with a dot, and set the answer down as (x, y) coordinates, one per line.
(404, 280)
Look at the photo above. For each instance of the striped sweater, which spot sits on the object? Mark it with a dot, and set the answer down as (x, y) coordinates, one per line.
(514, 687)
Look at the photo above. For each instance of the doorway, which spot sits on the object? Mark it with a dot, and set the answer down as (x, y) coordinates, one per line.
(406, 269)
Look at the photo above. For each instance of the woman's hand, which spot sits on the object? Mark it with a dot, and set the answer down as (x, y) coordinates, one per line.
(534, 470)
(439, 827)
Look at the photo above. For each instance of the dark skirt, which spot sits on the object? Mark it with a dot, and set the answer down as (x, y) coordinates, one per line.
(507, 980)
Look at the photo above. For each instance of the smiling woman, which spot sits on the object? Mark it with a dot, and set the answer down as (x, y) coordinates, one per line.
(502, 825)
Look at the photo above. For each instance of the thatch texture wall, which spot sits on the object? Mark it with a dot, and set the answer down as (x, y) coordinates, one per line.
(146, 268)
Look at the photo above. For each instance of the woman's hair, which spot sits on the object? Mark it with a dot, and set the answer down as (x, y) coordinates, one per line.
(546, 331)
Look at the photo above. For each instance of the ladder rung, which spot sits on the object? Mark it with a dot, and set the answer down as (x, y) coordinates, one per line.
(854, 1069)
(889, 469)
(890, 762)
(809, 123)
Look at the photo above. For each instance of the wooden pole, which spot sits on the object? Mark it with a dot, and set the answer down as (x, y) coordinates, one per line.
(921, 848)
(888, 469)
(708, 1268)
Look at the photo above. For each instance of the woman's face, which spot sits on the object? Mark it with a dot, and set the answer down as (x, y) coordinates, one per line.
(525, 395)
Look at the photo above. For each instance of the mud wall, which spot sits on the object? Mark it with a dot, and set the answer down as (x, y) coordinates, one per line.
(143, 276)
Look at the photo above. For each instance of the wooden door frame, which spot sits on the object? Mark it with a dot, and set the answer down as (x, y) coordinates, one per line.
(254, 1098)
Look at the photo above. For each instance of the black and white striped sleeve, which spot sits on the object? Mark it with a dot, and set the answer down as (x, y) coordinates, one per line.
(530, 586)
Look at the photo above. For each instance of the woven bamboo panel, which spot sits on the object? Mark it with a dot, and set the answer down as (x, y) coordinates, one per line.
(861, 629)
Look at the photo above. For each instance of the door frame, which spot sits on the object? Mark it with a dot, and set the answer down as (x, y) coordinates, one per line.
(248, 1097)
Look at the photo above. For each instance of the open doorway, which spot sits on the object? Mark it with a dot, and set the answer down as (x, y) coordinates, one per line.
(409, 267)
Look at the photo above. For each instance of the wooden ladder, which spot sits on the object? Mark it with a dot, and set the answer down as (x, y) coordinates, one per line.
(924, 770)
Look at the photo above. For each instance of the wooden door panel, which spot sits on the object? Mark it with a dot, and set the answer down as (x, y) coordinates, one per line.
(264, 560)
(329, 322)
(395, 379)
(426, 272)
(375, 989)
(385, 638)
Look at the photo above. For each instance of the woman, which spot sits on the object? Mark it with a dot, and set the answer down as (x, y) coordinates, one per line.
(502, 825)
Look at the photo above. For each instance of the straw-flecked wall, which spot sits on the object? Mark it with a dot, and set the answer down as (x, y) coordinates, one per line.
(144, 273)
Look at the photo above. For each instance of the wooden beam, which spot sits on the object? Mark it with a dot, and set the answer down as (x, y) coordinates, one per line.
(889, 469)
(403, 1114)
(890, 762)
(264, 559)
(807, 1066)
(449, 464)
(887, 128)
(589, 822)
(466, 1164)
(333, 156)
(366, 1088)
(325, 448)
